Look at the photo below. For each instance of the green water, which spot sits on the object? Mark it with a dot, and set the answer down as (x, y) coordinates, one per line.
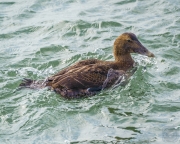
(40, 37)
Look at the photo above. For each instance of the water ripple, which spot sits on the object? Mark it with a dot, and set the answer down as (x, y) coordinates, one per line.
(38, 38)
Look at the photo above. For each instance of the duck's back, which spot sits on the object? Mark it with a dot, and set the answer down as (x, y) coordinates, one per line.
(84, 78)
(88, 74)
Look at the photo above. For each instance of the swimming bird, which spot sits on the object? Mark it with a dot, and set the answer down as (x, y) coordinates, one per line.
(87, 77)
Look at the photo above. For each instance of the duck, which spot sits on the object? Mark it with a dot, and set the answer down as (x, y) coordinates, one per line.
(88, 77)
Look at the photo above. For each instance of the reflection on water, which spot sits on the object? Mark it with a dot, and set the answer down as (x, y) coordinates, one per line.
(38, 38)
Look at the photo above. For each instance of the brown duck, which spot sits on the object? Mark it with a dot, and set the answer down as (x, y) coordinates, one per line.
(87, 77)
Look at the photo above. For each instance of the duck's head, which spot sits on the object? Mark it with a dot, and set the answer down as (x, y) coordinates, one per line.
(128, 43)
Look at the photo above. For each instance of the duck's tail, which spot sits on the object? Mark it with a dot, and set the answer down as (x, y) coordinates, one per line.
(32, 84)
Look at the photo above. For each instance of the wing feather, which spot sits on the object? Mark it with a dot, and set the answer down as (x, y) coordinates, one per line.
(92, 75)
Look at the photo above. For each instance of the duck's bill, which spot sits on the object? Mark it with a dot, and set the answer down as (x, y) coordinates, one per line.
(143, 51)
(149, 54)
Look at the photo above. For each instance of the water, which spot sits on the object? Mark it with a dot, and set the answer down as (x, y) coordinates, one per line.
(38, 38)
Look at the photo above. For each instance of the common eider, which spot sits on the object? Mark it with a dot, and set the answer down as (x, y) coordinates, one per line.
(87, 77)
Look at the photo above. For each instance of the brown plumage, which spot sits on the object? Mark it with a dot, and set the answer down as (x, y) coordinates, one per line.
(87, 77)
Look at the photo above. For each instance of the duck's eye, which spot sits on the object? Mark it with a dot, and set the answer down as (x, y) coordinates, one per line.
(129, 40)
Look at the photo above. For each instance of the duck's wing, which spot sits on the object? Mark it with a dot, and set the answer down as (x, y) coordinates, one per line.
(81, 78)
(75, 66)
(91, 76)
(84, 81)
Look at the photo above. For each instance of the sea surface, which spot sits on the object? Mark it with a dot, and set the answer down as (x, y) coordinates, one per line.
(40, 37)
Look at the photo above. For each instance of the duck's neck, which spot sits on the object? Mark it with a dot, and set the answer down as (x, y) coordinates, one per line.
(125, 61)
